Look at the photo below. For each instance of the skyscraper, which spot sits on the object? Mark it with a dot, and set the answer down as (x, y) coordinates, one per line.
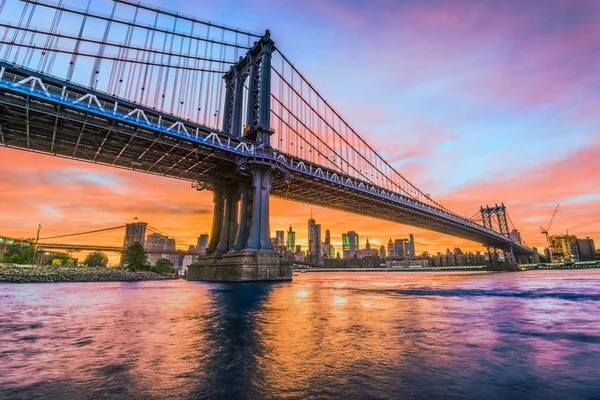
(170, 245)
(314, 238)
(409, 247)
(382, 251)
(350, 244)
(291, 240)
(279, 235)
(154, 242)
(399, 247)
(391, 251)
(319, 249)
(327, 243)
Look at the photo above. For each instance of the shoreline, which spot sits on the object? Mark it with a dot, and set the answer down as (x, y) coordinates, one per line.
(55, 274)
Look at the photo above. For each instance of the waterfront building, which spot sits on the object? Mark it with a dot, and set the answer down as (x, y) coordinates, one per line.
(587, 248)
(563, 248)
(382, 251)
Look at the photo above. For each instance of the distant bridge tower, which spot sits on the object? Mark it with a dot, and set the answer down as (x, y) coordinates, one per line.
(495, 219)
(497, 215)
(135, 232)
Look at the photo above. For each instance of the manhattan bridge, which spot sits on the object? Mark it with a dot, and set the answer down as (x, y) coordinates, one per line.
(132, 86)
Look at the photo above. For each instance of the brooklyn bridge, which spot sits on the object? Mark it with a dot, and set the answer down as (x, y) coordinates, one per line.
(168, 94)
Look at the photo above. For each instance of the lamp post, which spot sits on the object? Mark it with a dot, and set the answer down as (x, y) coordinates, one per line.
(35, 246)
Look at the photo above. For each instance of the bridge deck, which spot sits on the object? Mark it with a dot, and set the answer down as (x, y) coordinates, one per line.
(62, 119)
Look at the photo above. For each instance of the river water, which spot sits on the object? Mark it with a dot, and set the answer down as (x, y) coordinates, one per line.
(530, 335)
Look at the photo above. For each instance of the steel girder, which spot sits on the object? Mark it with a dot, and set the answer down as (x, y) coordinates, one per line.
(39, 122)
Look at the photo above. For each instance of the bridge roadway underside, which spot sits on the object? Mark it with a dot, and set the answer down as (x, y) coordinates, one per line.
(33, 124)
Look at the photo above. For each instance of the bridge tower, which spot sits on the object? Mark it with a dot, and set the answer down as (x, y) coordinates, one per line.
(240, 247)
(496, 219)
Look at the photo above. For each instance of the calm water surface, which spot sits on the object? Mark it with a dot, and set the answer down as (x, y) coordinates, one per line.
(533, 335)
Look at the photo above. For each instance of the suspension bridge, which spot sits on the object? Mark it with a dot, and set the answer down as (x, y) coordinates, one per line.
(159, 92)
(67, 242)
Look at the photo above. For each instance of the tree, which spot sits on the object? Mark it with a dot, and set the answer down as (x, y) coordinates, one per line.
(135, 258)
(164, 266)
(17, 254)
(96, 259)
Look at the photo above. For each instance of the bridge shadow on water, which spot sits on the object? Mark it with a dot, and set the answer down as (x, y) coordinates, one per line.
(231, 344)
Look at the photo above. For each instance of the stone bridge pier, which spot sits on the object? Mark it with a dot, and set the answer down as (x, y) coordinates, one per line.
(240, 247)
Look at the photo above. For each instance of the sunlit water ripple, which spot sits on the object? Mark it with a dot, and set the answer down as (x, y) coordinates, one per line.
(533, 335)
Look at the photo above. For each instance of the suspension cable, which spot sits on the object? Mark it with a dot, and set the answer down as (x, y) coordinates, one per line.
(83, 233)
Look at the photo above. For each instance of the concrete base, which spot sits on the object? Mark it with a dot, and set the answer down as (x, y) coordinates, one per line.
(243, 266)
(504, 267)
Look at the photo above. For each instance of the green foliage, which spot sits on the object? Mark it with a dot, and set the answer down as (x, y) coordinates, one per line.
(135, 258)
(96, 259)
(17, 254)
(164, 266)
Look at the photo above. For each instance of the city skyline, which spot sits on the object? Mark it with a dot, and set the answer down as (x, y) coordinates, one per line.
(429, 131)
(285, 243)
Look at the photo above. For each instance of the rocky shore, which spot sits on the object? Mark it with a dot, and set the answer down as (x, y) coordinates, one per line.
(43, 274)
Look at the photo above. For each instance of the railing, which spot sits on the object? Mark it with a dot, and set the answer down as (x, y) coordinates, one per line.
(185, 129)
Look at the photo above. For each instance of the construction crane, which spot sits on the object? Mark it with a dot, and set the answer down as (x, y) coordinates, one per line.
(547, 229)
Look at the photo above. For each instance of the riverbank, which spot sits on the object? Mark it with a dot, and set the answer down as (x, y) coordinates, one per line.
(48, 274)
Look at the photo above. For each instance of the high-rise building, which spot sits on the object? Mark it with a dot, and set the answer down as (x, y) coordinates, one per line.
(202, 242)
(298, 249)
(399, 247)
(135, 232)
(367, 245)
(319, 248)
(350, 244)
(391, 250)
(564, 248)
(314, 238)
(409, 247)
(154, 242)
(279, 235)
(382, 251)
(174, 258)
(327, 244)
(291, 240)
(587, 248)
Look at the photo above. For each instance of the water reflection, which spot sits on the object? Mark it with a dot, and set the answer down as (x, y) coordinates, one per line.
(417, 335)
